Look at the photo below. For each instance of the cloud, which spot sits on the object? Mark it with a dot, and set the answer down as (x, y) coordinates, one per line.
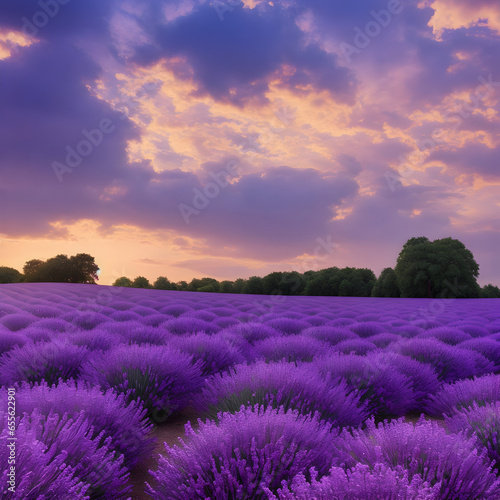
(235, 60)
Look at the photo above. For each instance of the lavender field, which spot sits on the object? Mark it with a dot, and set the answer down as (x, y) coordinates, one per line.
(285, 397)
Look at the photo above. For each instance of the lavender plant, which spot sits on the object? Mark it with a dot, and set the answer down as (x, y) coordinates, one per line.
(109, 413)
(284, 385)
(163, 378)
(463, 394)
(290, 348)
(244, 455)
(49, 361)
(425, 449)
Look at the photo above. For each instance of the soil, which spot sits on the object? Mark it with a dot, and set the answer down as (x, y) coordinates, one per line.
(169, 433)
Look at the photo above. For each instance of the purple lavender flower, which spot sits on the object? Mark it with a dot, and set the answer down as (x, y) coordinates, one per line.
(163, 378)
(386, 391)
(285, 385)
(288, 326)
(367, 329)
(41, 472)
(243, 455)
(16, 322)
(49, 361)
(363, 482)
(92, 460)
(125, 423)
(186, 324)
(463, 394)
(450, 460)
(331, 334)
(446, 334)
(214, 353)
(290, 348)
(356, 346)
(450, 362)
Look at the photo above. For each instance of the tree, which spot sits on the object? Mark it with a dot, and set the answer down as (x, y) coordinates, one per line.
(271, 283)
(292, 283)
(238, 285)
(254, 285)
(141, 282)
(182, 286)
(490, 292)
(123, 281)
(83, 269)
(226, 286)
(441, 268)
(10, 275)
(162, 283)
(387, 284)
(32, 270)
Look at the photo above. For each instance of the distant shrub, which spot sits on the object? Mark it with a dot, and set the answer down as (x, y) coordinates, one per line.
(356, 346)
(225, 322)
(175, 310)
(448, 460)
(367, 329)
(55, 325)
(288, 326)
(88, 320)
(474, 330)
(49, 361)
(290, 348)
(213, 353)
(163, 378)
(10, 339)
(155, 320)
(125, 316)
(243, 455)
(37, 334)
(362, 482)
(186, 324)
(253, 332)
(385, 390)
(446, 334)
(125, 423)
(450, 362)
(463, 394)
(407, 331)
(284, 385)
(96, 339)
(16, 322)
(384, 339)
(331, 334)
(40, 472)
(43, 311)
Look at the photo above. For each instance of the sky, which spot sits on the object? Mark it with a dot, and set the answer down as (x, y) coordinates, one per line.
(230, 139)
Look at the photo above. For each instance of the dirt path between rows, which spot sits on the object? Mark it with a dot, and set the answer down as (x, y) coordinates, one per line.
(164, 433)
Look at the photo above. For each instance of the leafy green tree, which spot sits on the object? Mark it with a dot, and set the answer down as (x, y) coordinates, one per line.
(226, 286)
(209, 288)
(490, 292)
(271, 283)
(162, 283)
(345, 288)
(441, 268)
(141, 282)
(319, 283)
(123, 281)
(254, 285)
(10, 275)
(83, 269)
(33, 270)
(387, 284)
(182, 286)
(238, 285)
(292, 283)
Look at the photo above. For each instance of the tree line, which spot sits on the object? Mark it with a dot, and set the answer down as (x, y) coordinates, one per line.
(442, 268)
